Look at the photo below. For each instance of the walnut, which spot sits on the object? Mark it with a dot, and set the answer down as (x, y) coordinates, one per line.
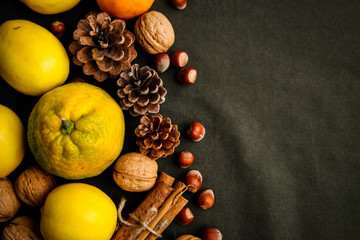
(154, 32)
(22, 228)
(33, 185)
(135, 172)
(9, 203)
(188, 237)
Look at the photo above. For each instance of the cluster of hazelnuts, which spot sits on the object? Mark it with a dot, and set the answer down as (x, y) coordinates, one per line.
(193, 181)
(179, 59)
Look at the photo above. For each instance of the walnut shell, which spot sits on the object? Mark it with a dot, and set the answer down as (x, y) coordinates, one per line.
(187, 237)
(9, 203)
(154, 32)
(135, 172)
(22, 228)
(33, 185)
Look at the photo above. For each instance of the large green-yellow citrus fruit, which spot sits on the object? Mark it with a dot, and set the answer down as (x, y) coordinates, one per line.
(78, 211)
(12, 141)
(33, 60)
(50, 6)
(76, 131)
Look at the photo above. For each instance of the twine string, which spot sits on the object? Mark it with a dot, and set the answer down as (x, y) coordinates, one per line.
(140, 223)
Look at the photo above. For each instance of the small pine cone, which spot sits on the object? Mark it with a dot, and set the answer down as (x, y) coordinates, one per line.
(140, 90)
(156, 136)
(103, 48)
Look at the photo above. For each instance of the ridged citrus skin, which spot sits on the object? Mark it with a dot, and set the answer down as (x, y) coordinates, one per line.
(96, 140)
(125, 9)
(33, 60)
(50, 6)
(78, 211)
(12, 141)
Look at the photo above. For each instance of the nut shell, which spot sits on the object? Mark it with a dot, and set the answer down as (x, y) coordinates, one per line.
(187, 237)
(22, 228)
(9, 203)
(154, 32)
(33, 185)
(135, 172)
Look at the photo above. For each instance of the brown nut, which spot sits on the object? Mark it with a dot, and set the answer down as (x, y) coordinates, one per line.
(154, 32)
(33, 185)
(135, 172)
(187, 75)
(211, 233)
(179, 4)
(185, 216)
(196, 131)
(193, 180)
(179, 59)
(57, 28)
(22, 228)
(161, 62)
(9, 203)
(77, 79)
(188, 237)
(185, 159)
(206, 199)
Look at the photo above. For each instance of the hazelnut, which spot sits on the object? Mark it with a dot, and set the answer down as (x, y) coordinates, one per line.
(187, 237)
(179, 4)
(77, 79)
(187, 75)
(193, 180)
(154, 32)
(185, 159)
(179, 59)
(33, 185)
(185, 216)
(161, 62)
(211, 233)
(58, 28)
(196, 131)
(9, 203)
(206, 199)
(22, 227)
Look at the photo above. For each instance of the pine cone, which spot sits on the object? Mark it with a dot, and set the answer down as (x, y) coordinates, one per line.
(141, 90)
(156, 136)
(104, 48)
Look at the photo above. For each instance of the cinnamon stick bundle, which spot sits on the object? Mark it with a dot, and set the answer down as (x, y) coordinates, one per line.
(168, 218)
(154, 199)
(180, 188)
(157, 211)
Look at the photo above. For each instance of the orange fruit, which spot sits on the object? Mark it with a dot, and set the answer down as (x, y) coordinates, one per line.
(76, 131)
(125, 9)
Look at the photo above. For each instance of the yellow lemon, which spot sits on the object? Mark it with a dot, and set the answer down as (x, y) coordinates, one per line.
(33, 60)
(76, 131)
(12, 141)
(78, 211)
(50, 6)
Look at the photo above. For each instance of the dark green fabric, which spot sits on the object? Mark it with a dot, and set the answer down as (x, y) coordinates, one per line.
(278, 92)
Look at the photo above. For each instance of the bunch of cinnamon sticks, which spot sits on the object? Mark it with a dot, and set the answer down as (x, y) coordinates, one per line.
(159, 208)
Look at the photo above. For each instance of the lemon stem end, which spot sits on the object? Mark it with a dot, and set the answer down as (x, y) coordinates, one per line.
(67, 126)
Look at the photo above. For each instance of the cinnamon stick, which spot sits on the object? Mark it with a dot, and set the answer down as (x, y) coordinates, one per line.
(166, 178)
(180, 188)
(154, 199)
(168, 218)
